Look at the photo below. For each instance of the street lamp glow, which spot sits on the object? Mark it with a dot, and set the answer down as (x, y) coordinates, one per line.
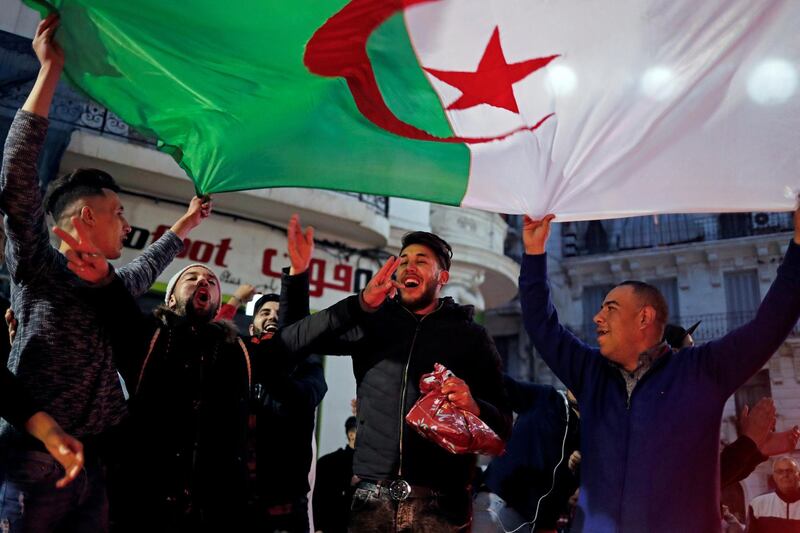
(562, 79)
(659, 83)
(772, 82)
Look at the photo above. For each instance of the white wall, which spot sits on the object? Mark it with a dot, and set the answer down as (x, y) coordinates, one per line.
(18, 18)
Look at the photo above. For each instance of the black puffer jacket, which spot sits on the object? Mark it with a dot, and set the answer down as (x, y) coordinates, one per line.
(392, 348)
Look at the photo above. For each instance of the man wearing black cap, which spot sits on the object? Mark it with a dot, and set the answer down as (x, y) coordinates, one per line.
(285, 403)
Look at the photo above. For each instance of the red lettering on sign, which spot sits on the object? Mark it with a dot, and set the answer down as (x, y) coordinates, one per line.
(222, 250)
(201, 251)
(266, 264)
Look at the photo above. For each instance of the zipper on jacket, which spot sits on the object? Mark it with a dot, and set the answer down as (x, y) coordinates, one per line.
(405, 380)
(657, 364)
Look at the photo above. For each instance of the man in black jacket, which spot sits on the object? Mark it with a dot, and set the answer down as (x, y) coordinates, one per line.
(286, 397)
(407, 480)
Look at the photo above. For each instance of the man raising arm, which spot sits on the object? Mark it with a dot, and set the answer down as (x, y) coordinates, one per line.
(650, 417)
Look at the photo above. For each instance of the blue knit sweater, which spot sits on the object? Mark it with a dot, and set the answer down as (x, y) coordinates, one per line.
(654, 466)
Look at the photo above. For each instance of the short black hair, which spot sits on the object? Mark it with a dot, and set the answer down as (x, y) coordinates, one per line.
(440, 248)
(651, 296)
(350, 424)
(80, 183)
(271, 297)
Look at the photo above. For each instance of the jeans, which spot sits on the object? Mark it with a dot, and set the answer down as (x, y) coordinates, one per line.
(373, 512)
(31, 503)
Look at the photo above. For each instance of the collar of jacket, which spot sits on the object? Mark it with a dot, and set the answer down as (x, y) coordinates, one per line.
(659, 362)
(446, 305)
(171, 319)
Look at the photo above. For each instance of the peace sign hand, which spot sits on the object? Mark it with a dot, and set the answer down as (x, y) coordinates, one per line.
(83, 257)
(381, 285)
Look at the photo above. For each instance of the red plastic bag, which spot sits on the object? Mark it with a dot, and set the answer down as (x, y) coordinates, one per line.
(437, 419)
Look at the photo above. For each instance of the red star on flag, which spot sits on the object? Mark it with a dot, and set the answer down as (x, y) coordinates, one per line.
(492, 82)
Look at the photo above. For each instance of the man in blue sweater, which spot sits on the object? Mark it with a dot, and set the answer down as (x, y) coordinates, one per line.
(650, 417)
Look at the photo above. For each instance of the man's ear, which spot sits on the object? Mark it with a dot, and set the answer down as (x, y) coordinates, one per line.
(172, 302)
(648, 316)
(251, 330)
(444, 277)
(87, 215)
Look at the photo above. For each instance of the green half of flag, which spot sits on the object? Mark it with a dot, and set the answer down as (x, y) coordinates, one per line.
(224, 88)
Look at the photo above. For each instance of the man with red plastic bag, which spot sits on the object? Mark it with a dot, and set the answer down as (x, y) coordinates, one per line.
(410, 483)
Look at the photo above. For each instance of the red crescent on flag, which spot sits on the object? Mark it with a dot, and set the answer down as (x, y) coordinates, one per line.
(339, 49)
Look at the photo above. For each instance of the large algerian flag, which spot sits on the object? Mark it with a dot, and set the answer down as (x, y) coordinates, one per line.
(584, 109)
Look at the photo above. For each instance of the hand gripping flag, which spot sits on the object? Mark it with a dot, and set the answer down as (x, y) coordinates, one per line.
(583, 109)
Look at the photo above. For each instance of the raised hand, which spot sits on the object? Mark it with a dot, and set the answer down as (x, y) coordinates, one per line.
(83, 257)
(300, 245)
(381, 285)
(244, 293)
(199, 209)
(458, 393)
(51, 58)
(780, 443)
(535, 234)
(48, 52)
(757, 423)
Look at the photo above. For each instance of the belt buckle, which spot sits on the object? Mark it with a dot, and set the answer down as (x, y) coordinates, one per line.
(399, 490)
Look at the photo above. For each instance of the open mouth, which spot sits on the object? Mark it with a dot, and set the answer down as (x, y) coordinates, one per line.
(601, 333)
(202, 296)
(411, 282)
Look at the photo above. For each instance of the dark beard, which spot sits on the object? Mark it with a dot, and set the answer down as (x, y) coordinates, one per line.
(425, 299)
(188, 310)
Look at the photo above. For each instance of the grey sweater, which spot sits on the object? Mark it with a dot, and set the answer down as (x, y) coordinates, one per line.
(61, 354)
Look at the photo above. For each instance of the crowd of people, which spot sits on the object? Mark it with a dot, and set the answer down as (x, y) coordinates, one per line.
(174, 421)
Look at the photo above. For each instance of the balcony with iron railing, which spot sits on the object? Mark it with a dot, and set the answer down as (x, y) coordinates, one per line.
(636, 233)
(712, 326)
(71, 110)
